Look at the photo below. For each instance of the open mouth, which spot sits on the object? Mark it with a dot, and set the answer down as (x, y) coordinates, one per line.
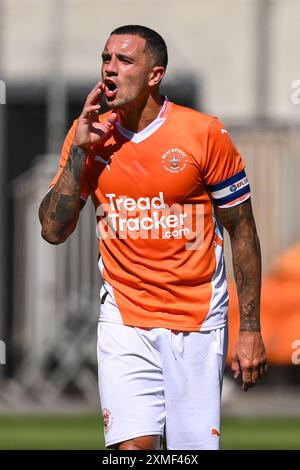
(110, 89)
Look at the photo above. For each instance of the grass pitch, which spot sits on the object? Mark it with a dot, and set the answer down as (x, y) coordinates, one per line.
(85, 432)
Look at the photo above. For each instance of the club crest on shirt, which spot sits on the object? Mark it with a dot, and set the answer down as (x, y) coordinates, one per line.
(174, 160)
(107, 419)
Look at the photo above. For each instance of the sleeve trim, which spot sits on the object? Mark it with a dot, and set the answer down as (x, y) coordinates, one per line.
(230, 189)
(237, 201)
(223, 184)
(235, 194)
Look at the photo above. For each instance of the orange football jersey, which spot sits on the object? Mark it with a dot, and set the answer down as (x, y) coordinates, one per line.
(160, 242)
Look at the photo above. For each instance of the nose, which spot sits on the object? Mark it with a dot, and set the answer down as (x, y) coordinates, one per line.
(111, 68)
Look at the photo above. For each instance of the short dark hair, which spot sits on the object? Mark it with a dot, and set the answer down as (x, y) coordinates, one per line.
(154, 42)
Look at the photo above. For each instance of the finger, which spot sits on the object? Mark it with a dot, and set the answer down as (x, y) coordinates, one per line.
(261, 371)
(235, 366)
(107, 125)
(254, 376)
(95, 95)
(89, 109)
(247, 386)
(247, 375)
(98, 85)
(111, 119)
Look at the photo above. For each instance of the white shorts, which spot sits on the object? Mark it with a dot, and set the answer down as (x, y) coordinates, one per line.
(157, 381)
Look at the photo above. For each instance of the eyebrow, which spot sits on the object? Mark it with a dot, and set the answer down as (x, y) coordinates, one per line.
(124, 56)
(119, 56)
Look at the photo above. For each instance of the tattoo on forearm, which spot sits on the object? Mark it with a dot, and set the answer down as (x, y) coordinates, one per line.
(232, 217)
(249, 309)
(240, 277)
(64, 207)
(60, 208)
(250, 317)
(75, 163)
(240, 224)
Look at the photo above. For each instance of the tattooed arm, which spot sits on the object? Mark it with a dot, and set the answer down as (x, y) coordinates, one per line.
(60, 208)
(249, 355)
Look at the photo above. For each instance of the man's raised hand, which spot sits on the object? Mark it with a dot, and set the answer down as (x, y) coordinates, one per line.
(89, 130)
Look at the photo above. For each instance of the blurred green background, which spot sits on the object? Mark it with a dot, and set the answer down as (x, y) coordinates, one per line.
(85, 432)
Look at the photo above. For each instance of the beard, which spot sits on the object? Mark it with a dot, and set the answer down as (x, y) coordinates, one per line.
(116, 103)
(129, 100)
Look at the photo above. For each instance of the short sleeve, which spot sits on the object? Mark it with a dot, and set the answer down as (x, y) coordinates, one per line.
(224, 171)
(85, 190)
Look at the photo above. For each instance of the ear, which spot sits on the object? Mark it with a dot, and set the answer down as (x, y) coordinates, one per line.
(156, 75)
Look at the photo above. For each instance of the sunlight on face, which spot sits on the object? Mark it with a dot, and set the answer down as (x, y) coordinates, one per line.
(125, 70)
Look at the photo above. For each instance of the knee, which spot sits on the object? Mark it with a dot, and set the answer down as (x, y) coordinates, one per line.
(129, 446)
(140, 443)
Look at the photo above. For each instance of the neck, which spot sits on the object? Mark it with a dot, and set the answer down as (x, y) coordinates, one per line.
(137, 116)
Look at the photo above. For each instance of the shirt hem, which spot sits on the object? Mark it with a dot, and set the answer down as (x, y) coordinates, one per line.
(169, 327)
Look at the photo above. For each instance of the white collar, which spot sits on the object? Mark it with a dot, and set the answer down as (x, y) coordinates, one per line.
(138, 137)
